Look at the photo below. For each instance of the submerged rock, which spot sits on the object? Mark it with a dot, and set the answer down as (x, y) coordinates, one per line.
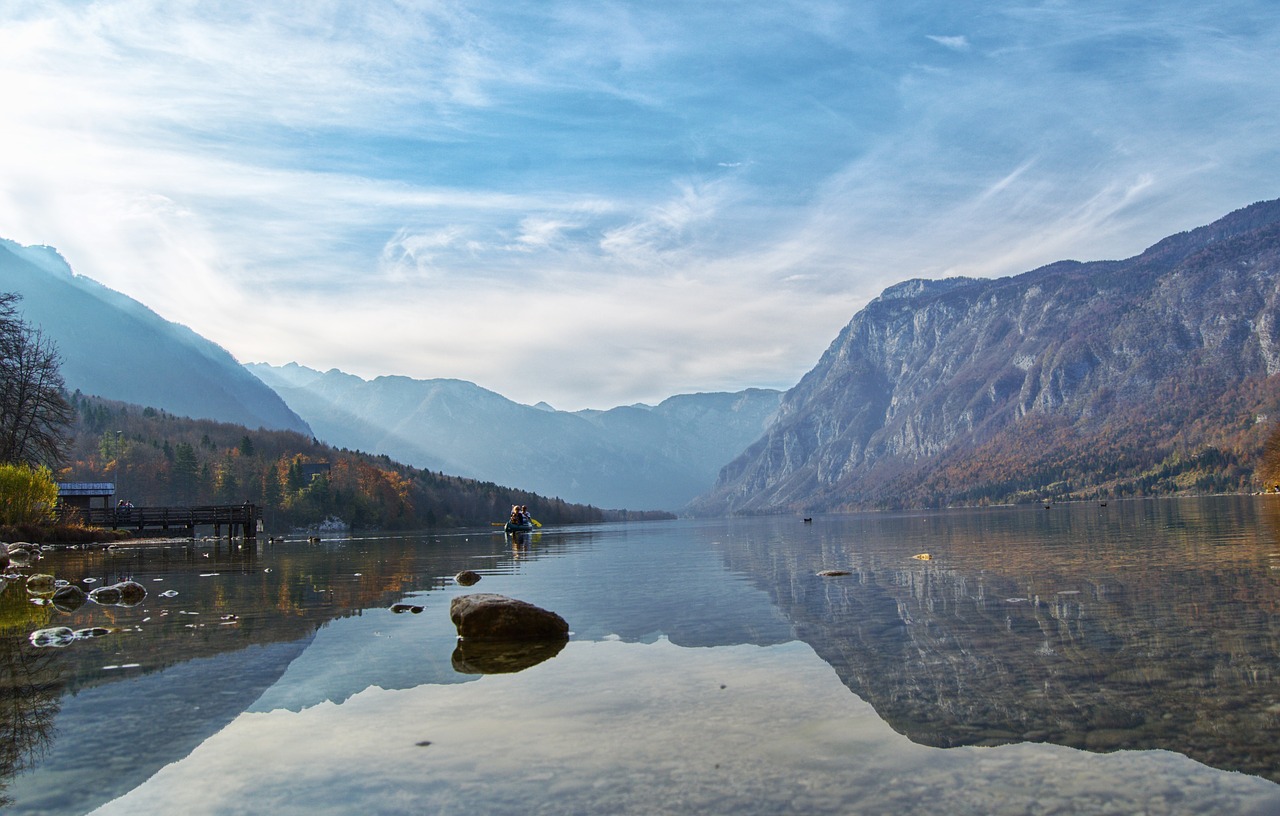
(53, 636)
(485, 616)
(40, 584)
(466, 578)
(22, 554)
(125, 593)
(68, 598)
(107, 595)
(132, 593)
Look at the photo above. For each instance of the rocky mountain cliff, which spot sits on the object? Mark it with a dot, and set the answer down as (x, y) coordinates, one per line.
(114, 347)
(1152, 374)
(638, 457)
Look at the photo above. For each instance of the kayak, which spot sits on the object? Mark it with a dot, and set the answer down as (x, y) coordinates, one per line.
(522, 527)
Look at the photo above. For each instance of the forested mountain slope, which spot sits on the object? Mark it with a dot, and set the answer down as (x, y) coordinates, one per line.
(113, 346)
(157, 459)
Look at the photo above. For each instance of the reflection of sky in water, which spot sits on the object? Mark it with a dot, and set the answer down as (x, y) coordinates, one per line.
(1160, 612)
(635, 582)
(615, 727)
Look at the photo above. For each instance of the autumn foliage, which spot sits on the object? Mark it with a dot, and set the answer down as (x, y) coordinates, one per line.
(157, 459)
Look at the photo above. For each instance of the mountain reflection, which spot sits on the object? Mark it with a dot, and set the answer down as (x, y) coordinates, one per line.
(1142, 625)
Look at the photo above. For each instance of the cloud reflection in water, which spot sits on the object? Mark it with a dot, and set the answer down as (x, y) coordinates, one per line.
(733, 729)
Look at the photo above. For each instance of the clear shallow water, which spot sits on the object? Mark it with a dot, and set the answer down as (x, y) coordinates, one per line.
(1073, 660)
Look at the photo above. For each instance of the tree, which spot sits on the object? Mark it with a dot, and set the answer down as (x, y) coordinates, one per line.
(27, 494)
(35, 416)
(186, 472)
(1268, 470)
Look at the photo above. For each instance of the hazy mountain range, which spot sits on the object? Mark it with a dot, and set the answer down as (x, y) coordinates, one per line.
(1147, 375)
(1151, 374)
(112, 346)
(636, 457)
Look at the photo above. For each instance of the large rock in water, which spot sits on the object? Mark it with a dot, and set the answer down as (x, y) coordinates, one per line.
(485, 616)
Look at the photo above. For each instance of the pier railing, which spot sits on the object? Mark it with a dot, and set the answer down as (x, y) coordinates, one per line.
(243, 517)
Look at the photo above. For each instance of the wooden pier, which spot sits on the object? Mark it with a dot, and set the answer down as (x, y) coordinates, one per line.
(243, 517)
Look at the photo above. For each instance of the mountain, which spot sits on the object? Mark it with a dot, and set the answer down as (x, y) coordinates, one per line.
(1151, 374)
(115, 347)
(638, 457)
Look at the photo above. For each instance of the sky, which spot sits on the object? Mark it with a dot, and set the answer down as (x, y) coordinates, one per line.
(599, 203)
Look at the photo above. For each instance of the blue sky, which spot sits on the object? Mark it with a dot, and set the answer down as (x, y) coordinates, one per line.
(596, 203)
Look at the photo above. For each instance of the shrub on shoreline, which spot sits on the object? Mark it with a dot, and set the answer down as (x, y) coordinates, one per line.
(60, 534)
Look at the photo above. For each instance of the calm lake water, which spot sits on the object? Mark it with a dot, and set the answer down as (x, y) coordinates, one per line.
(1081, 659)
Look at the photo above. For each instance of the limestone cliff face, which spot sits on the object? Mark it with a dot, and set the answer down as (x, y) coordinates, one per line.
(1075, 377)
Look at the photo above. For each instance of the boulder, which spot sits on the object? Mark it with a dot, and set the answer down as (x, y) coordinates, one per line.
(486, 616)
(466, 578)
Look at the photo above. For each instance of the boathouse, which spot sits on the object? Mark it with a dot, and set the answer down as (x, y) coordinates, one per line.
(86, 495)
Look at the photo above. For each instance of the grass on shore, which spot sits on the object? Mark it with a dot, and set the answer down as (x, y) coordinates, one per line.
(59, 534)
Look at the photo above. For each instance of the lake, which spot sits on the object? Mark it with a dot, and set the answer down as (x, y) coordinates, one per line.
(1077, 659)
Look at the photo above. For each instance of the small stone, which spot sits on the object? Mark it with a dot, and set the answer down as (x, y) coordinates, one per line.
(467, 578)
(833, 573)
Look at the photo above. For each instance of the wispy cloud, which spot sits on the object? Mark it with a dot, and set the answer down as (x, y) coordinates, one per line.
(682, 198)
(955, 43)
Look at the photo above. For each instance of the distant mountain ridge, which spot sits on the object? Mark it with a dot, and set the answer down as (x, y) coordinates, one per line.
(112, 346)
(634, 457)
(1151, 374)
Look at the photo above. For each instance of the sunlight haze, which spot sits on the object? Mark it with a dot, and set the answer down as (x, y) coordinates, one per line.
(594, 204)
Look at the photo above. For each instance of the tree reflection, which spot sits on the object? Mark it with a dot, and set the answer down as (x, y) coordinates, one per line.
(30, 691)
